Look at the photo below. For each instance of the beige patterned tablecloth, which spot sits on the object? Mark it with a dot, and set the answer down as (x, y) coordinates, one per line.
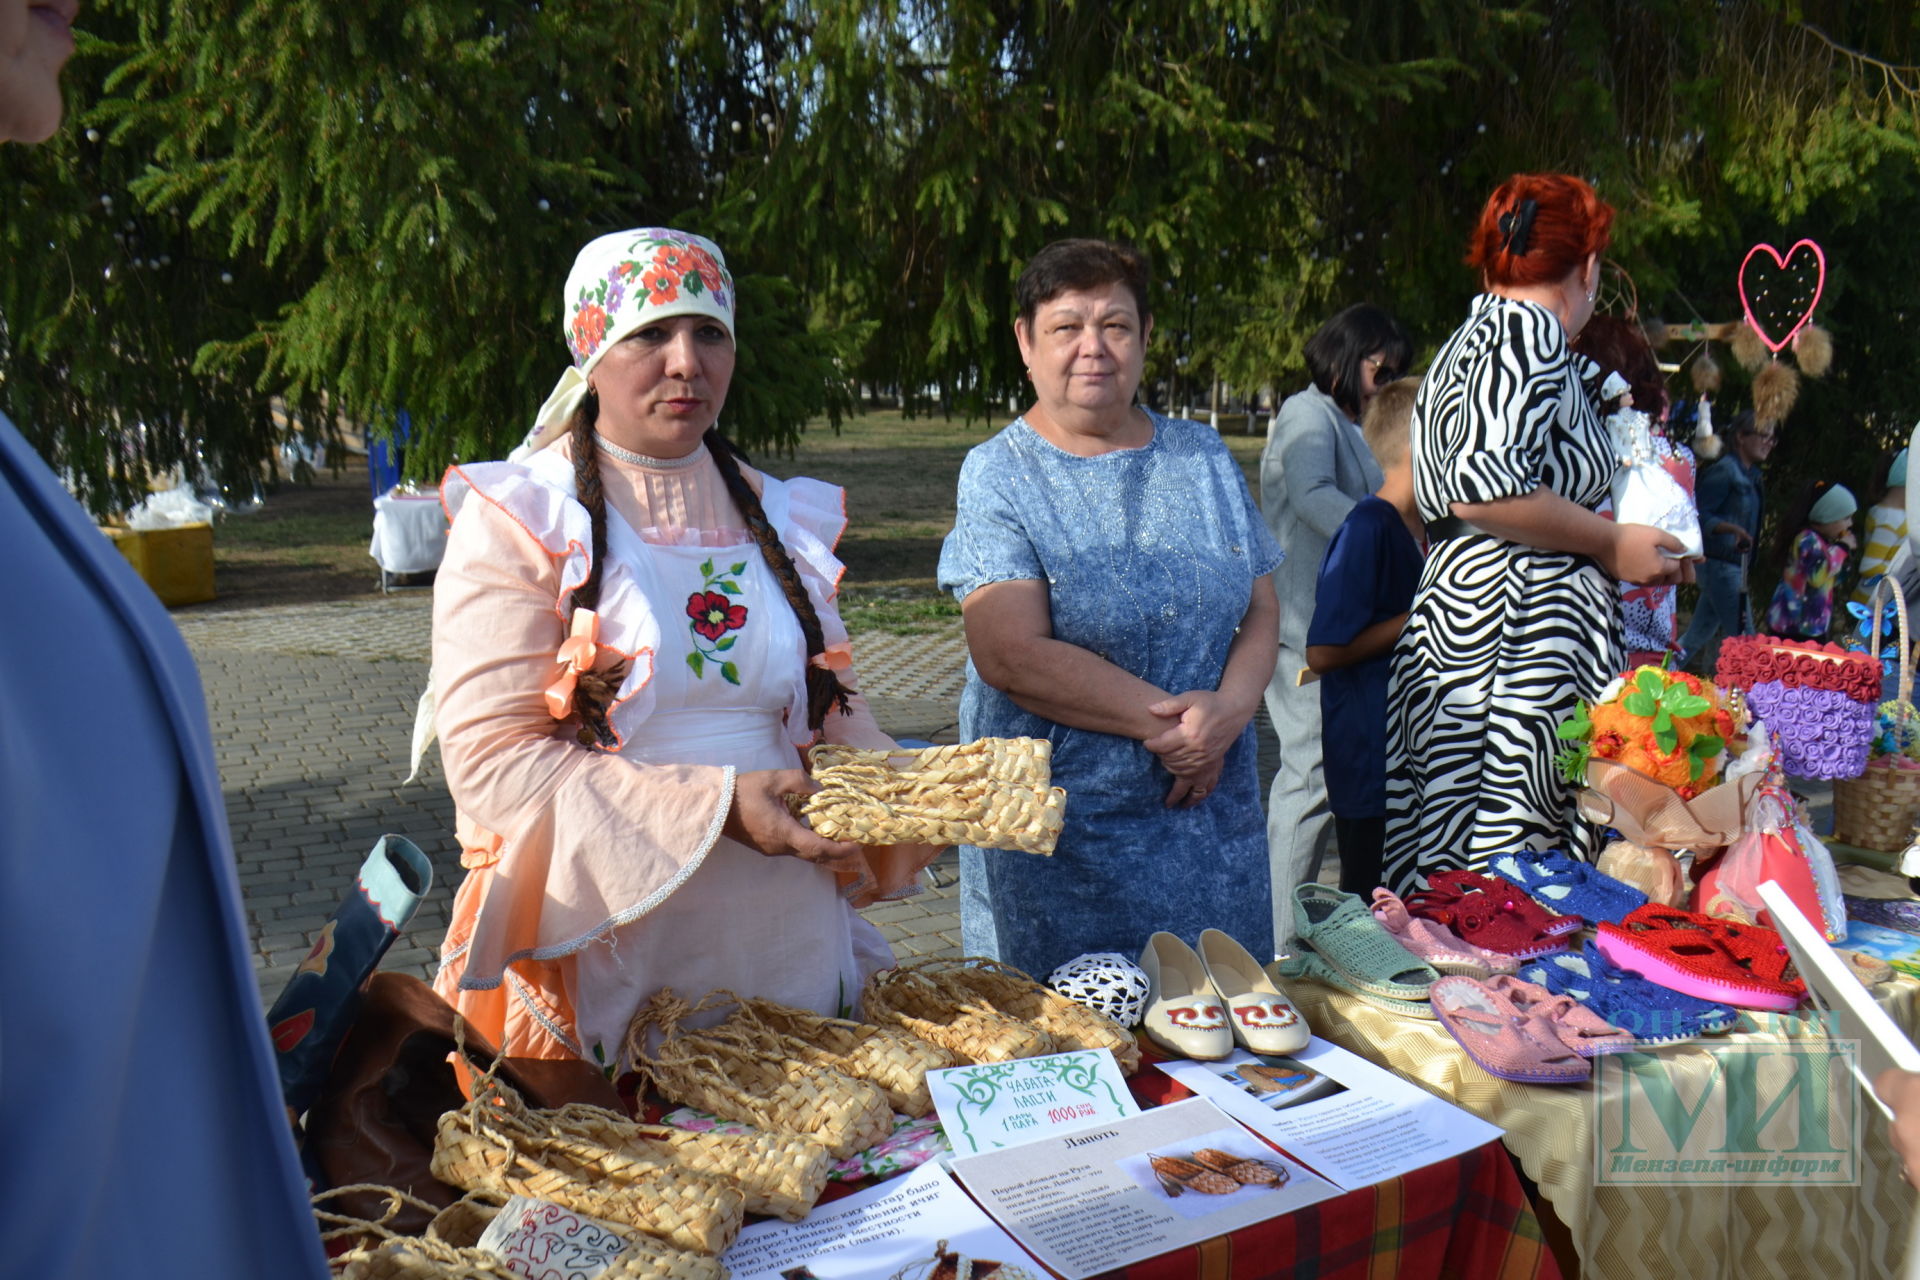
(1569, 1140)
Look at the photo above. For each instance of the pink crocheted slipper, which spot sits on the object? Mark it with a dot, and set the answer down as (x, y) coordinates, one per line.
(1578, 1027)
(1434, 943)
(1504, 1041)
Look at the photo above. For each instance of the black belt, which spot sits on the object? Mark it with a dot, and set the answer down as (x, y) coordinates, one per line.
(1452, 527)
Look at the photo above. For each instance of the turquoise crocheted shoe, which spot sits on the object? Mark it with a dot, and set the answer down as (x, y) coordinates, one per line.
(1341, 929)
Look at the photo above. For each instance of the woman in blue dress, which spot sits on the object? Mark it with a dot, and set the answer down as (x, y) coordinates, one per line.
(1115, 580)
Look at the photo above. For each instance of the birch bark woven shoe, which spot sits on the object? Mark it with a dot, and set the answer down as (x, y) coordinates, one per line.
(1263, 1019)
(1738, 964)
(1492, 913)
(1561, 882)
(1434, 943)
(1502, 1039)
(1339, 927)
(1185, 1015)
(1653, 1013)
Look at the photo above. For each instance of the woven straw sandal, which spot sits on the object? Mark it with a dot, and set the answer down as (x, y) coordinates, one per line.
(1433, 943)
(1314, 967)
(1340, 928)
(1697, 955)
(1563, 883)
(1502, 1039)
(1653, 1013)
(1492, 913)
(1578, 1027)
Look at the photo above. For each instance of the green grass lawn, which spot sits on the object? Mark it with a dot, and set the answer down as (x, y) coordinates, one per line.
(310, 542)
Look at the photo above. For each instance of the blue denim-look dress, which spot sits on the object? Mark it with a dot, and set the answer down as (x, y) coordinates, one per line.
(1149, 556)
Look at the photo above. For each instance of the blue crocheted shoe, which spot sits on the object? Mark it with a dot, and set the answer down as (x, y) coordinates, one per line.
(1563, 883)
(1892, 913)
(1652, 1012)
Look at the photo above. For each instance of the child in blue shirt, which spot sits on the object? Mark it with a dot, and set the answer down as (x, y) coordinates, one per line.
(1365, 590)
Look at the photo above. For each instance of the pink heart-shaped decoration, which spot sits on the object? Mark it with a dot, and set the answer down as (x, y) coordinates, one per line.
(1766, 280)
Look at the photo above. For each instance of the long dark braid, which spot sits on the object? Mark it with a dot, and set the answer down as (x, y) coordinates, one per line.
(824, 690)
(595, 691)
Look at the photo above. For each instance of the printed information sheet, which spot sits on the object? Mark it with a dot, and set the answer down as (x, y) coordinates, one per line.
(1003, 1104)
(1352, 1122)
(918, 1227)
(1114, 1194)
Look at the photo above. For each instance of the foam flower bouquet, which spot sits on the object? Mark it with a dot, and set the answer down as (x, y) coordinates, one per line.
(1652, 750)
(1668, 725)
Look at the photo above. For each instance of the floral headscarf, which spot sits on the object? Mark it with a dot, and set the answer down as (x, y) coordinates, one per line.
(619, 283)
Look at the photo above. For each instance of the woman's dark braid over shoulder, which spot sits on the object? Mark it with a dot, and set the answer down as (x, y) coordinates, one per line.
(595, 692)
(824, 691)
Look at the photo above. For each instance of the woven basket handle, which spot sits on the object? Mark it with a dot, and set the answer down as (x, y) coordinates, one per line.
(1899, 599)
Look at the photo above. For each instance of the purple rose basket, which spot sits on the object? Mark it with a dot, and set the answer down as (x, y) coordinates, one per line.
(1821, 733)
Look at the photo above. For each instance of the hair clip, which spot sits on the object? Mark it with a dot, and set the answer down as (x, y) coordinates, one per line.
(1516, 226)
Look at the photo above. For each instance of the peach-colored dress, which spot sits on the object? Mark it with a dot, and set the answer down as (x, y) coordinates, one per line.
(597, 877)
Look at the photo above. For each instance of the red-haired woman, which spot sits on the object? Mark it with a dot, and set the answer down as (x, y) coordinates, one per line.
(1517, 615)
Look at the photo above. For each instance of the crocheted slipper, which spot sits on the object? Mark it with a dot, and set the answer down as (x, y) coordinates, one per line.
(1432, 943)
(1653, 1013)
(1738, 964)
(1889, 913)
(1339, 927)
(1314, 967)
(1578, 1027)
(1502, 1039)
(1492, 913)
(1563, 883)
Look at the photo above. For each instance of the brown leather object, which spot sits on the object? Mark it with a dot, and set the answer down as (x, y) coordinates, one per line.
(393, 1079)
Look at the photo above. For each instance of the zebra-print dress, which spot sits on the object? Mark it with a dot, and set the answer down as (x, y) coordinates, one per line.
(1503, 638)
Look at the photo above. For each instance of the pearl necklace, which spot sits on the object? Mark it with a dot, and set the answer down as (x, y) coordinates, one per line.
(642, 460)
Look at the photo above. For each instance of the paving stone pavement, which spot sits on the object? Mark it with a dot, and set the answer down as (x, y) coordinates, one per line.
(312, 710)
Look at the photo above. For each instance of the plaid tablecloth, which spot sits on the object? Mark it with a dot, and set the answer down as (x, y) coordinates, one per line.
(1465, 1218)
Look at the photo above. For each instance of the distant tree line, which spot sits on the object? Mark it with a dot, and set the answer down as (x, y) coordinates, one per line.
(353, 209)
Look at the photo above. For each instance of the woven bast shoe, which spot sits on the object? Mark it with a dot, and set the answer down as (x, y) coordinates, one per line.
(1504, 1040)
(1737, 964)
(1653, 1013)
(1492, 913)
(1563, 883)
(1340, 928)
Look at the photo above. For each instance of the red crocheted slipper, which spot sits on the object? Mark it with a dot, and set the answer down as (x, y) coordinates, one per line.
(1698, 955)
(1492, 913)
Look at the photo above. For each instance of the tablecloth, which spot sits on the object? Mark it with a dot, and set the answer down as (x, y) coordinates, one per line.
(409, 533)
(1467, 1218)
(1683, 1228)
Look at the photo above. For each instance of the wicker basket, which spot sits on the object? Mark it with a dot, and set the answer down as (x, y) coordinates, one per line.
(1877, 809)
(896, 1060)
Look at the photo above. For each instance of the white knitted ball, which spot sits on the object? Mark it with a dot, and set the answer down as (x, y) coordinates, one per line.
(1106, 982)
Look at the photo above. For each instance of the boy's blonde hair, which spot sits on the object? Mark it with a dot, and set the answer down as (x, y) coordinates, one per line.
(1386, 421)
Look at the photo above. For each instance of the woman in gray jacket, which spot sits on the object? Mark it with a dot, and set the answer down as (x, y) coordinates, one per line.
(1315, 468)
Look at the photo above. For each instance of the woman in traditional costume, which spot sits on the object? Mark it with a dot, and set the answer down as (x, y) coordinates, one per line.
(634, 635)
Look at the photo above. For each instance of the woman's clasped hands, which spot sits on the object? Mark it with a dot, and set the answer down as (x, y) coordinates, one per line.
(1201, 726)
